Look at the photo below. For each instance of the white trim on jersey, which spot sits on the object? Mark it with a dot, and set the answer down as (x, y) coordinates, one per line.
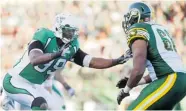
(86, 60)
(36, 49)
(24, 61)
(170, 57)
(48, 41)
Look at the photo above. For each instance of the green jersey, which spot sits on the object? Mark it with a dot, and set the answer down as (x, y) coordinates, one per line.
(162, 58)
(38, 74)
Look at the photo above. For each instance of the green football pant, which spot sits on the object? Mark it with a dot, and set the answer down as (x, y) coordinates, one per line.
(161, 94)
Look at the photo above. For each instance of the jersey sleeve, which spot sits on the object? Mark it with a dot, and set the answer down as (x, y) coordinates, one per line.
(137, 31)
(41, 35)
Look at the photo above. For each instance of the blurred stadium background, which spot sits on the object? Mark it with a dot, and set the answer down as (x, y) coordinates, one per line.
(101, 35)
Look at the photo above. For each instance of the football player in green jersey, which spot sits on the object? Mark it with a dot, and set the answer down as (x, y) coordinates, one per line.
(152, 47)
(48, 52)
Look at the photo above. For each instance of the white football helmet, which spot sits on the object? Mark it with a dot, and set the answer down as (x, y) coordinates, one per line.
(65, 27)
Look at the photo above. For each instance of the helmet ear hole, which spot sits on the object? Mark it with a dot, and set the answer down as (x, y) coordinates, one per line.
(67, 25)
(56, 29)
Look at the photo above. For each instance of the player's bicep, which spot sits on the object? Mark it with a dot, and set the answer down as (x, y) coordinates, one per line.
(35, 49)
(139, 50)
(35, 45)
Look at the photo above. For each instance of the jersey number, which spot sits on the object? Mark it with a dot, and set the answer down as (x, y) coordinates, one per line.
(167, 40)
(49, 67)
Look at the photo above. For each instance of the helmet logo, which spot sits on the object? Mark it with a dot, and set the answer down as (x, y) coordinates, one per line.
(142, 9)
(134, 12)
(60, 19)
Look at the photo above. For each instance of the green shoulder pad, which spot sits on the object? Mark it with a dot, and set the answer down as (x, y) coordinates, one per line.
(138, 31)
(43, 35)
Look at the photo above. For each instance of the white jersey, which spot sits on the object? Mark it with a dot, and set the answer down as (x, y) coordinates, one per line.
(162, 58)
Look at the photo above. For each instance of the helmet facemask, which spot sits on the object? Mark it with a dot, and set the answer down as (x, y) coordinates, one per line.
(131, 18)
(65, 28)
(66, 33)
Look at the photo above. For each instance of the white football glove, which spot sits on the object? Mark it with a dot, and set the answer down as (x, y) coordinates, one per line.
(125, 57)
(71, 92)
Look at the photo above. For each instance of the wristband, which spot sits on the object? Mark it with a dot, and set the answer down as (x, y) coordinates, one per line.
(126, 89)
(67, 87)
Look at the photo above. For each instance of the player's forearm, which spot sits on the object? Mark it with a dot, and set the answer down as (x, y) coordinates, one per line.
(44, 58)
(63, 82)
(61, 79)
(139, 63)
(134, 79)
(144, 80)
(100, 63)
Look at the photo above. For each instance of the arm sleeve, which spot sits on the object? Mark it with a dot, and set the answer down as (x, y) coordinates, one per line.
(78, 58)
(36, 45)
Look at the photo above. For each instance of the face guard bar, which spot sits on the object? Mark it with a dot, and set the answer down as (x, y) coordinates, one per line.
(131, 18)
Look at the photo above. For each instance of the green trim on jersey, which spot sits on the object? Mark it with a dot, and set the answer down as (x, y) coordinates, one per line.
(55, 89)
(36, 108)
(160, 66)
(12, 89)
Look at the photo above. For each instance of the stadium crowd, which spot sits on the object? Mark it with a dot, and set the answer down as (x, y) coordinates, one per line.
(100, 34)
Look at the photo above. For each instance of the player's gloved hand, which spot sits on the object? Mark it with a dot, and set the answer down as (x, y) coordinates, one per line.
(65, 49)
(61, 53)
(122, 83)
(124, 58)
(121, 96)
(68, 51)
(71, 92)
(65, 52)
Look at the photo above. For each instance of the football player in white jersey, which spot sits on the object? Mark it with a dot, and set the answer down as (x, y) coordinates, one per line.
(152, 47)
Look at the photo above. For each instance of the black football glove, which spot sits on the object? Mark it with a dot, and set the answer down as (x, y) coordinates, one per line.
(122, 83)
(121, 96)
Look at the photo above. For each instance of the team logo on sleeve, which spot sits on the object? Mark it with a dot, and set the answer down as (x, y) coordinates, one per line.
(133, 33)
(139, 32)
